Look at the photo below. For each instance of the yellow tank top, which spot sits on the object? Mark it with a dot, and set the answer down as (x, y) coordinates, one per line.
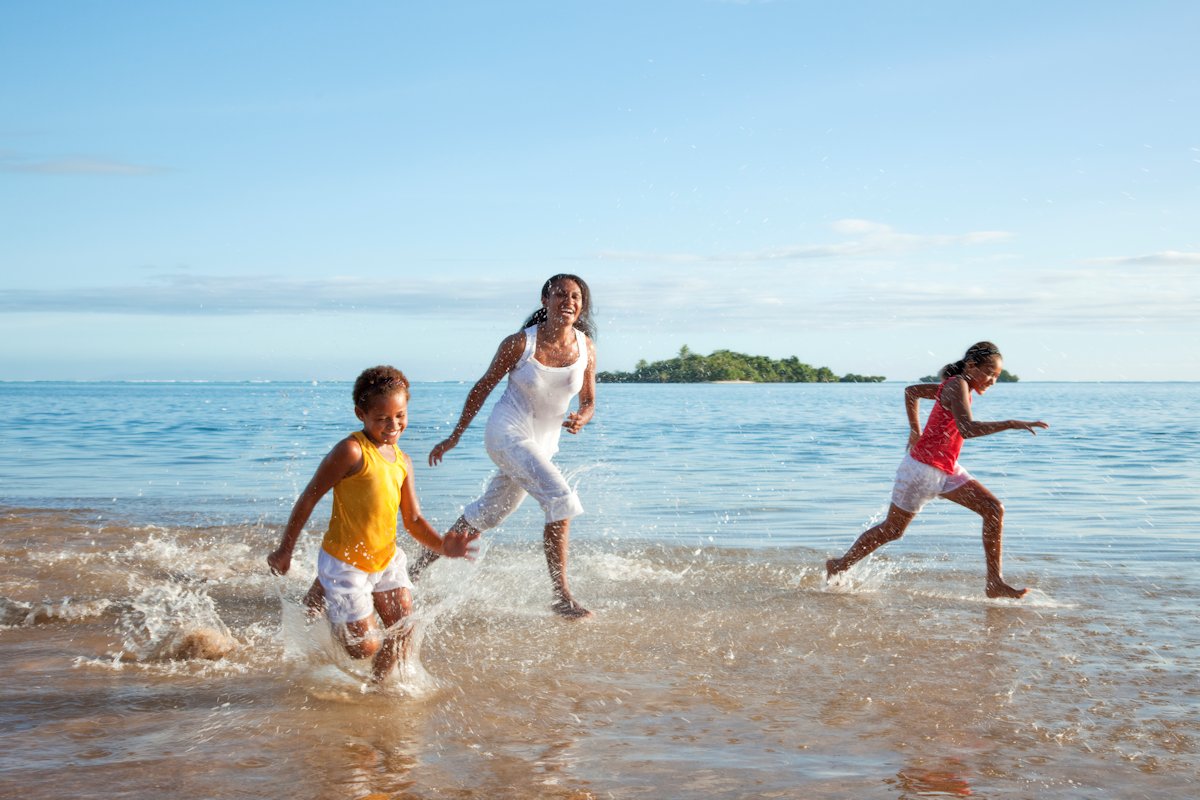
(362, 525)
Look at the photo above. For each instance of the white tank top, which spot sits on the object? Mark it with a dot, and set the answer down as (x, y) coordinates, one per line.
(536, 398)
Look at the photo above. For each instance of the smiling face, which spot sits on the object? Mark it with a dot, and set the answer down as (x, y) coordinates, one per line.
(563, 301)
(384, 418)
(982, 376)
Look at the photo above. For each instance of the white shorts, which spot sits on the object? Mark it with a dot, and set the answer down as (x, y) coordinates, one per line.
(348, 589)
(918, 483)
(524, 469)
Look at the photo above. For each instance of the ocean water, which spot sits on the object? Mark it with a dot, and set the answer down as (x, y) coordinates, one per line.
(147, 652)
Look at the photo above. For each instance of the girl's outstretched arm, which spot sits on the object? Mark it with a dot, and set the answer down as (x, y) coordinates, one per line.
(455, 544)
(507, 356)
(960, 406)
(587, 395)
(342, 461)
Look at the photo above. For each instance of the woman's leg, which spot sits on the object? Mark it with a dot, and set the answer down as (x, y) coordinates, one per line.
(891, 529)
(975, 496)
(554, 542)
(501, 498)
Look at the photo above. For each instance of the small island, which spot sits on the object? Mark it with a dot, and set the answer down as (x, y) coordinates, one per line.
(1005, 377)
(726, 366)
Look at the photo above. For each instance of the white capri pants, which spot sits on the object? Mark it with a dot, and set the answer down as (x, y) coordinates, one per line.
(524, 469)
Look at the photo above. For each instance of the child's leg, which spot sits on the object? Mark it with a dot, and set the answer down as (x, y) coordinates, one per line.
(393, 606)
(891, 529)
(359, 638)
(975, 496)
(554, 542)
(314, 599)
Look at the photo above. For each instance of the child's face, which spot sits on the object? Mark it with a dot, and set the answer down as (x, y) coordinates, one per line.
(385, 418)
(983, 376)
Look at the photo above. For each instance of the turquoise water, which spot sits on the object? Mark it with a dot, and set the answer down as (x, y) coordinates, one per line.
(747, 466)
(148, 651)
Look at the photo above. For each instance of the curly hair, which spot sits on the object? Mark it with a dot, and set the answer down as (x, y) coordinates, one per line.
(376, 382)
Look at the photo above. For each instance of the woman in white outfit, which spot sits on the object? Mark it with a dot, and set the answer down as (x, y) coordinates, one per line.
(547, 363)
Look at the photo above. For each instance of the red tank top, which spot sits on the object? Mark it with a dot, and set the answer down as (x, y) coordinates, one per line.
(940, 442)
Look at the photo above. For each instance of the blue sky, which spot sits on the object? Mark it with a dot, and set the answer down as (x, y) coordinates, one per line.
(297, 190)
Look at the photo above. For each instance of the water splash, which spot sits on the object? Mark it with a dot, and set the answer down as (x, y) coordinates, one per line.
(168, 622)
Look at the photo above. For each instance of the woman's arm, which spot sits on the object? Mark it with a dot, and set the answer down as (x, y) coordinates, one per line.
(587, 395)
(507, 356)
(960, 407)
(343, 460)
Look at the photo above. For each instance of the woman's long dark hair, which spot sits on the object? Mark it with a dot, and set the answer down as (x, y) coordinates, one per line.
(976, 354)
(585, 322)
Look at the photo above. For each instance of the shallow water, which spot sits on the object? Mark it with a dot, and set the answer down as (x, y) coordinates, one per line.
(148, 651)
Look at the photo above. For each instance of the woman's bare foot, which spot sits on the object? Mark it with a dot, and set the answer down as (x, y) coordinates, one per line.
(998, 588)
(832, 567)
(570, 609)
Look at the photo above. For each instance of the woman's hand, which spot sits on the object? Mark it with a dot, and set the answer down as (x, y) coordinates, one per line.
(441, 448)
(575, 421)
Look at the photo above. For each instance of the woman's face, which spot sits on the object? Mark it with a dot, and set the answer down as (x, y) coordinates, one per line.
(563, 301)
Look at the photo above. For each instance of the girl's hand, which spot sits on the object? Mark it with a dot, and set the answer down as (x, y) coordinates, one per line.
(440, 449)
(461, 544)
(279, 562)
(913, 436)
(1030, 426)
(574, 422)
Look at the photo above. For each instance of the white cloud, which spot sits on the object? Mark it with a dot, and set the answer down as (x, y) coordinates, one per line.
(1164, 258)
(190, 294)
(869, 238)
(74, 166)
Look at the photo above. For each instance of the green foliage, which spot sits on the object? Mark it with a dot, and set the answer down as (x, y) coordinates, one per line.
(1005, 377)
(726, 365)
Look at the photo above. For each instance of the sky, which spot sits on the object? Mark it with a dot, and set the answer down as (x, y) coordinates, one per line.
(298, 190)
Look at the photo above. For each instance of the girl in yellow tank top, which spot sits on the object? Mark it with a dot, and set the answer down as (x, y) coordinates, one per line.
(359, 571)
(362, 526)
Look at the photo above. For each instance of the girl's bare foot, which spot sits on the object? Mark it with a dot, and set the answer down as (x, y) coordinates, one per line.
(570, 609)
(832, 567)
(998, 588)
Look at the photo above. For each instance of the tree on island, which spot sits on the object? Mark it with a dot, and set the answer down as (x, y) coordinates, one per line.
(726, 365)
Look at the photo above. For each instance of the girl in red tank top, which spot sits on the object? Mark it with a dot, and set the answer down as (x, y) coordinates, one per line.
(931, 467)
(940, 442)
